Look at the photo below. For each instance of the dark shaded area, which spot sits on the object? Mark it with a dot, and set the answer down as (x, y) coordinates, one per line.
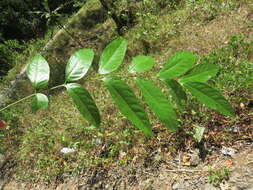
(24, 20)
(122, 18)
(93, 18)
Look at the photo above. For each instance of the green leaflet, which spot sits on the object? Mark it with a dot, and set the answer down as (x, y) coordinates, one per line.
(38, 72)
(141, 63)
(210, 97)
(79, 64)
(200, 73)
(128, 104)
(112, 56)
(177, 92)
(178, 65)
(84, 103)
(158, 103)
(198, 133)
(39, 101)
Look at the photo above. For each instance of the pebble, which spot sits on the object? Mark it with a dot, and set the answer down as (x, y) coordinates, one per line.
(182, 184)
(227, 151)
(195, 159)
(67, 150)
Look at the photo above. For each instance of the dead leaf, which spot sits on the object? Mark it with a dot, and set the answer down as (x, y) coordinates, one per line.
(186, 160)
(3, 124)
(228, 163)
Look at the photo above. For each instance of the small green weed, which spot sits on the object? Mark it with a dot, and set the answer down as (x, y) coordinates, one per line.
(216, 176)
(234, 61)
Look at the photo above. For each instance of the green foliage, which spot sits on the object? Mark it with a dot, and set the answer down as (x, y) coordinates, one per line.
(216, 176)
(40, 101)
(112, 56)
(84, 103)
(128, 104)
(200, 73)
(179, 74)
(141, 63)
(177, 65)
(210, 97)
(177, 92)
(210, 9)
(9, 50)
(198, 133)
(158, 103)
(234, 61)
(38, 72)
(79, 64)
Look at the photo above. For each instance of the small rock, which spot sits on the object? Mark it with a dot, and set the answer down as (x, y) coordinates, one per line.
(97, 141)
(195, 159)
(234, 129)
(191, 159)
(2, 160)
(182, 184)
(227, 151)
(66, 150)
(242, 105)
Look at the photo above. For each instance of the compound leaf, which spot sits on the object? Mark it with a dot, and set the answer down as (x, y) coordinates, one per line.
(39, 101)
(200, 73)
(112, 56)
(141, 63)
(84, 103)
(158, 103)
(128, 104)
(210, 97)
(79, 64)
(38, 72)
(178, 65)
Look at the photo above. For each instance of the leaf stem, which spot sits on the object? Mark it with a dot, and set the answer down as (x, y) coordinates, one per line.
(27, 97)
(55, 87)
(14, 103)
(101, 77)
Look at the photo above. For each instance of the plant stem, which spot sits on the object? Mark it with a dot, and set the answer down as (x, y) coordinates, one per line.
(14, 103)
(101, 77)
(27, 97)
(55, 87)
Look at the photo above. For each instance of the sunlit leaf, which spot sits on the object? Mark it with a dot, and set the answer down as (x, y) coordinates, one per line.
(141, 63)
(39, 101)
(177, 92)
(210, 97)
(112, 56)
(178, 65)
(84, 103)
(200, 73)
(198, 133)
(128, 104)
(79, 64)
(38, 72)
(158, 103)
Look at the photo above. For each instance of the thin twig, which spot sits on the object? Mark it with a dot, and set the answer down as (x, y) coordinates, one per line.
(185, 170)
